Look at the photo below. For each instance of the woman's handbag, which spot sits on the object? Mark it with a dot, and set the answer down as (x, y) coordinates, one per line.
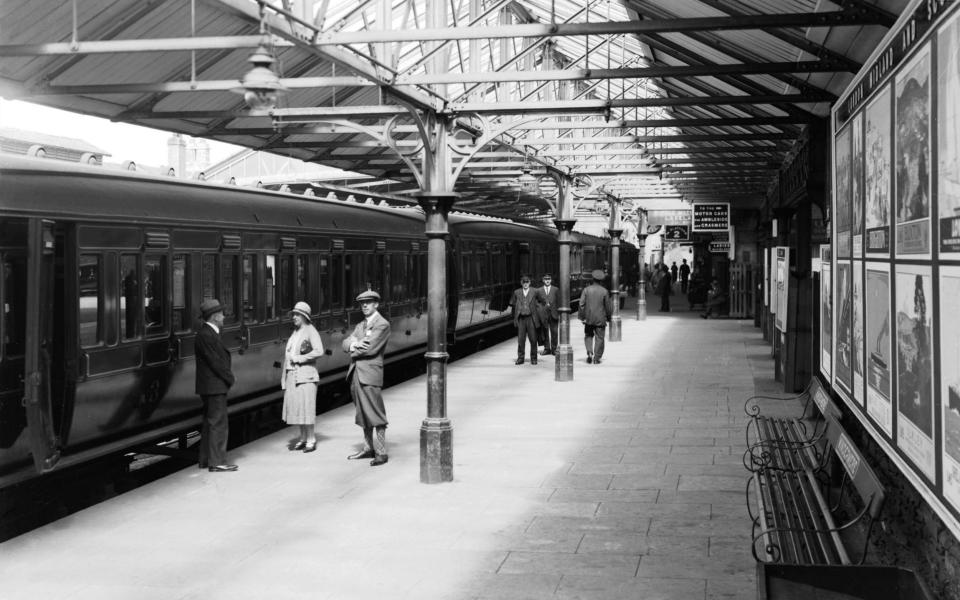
(306, 347)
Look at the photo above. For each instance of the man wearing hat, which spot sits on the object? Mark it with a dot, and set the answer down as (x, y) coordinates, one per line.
(526, 318)
(594, 312)
(214, 379)
(366, 346)
(549, 317)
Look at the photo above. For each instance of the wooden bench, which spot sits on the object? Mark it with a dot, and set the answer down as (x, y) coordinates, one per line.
(789, 442)
(795, 511)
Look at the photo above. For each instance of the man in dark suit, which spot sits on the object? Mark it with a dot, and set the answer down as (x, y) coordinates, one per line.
(366, 346)
(526, 318)
(214, 379)
(595, 311)
(549, 317)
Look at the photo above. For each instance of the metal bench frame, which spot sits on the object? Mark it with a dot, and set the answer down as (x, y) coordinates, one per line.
(797, 520)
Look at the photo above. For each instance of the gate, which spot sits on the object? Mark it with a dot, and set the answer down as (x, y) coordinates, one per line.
(742, 289)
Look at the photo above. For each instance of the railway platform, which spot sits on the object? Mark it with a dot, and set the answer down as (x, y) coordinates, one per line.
(624, 483)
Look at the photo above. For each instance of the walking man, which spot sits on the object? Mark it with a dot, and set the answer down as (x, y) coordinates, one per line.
(214, 379)
(684, 276)
(549, 317)
(595, 311)
(525, 318)
(366, 346)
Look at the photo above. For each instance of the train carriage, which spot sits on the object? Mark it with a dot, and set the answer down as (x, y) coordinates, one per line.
(104, 272)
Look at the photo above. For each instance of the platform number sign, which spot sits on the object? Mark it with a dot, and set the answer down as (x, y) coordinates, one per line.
(677, 233)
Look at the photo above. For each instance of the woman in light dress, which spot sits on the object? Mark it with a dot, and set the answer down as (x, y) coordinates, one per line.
(299, 378)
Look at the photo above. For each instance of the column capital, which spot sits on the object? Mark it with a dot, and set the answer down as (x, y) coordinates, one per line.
(436, 206)
(435, 200)
(615, 233)
(564, 224)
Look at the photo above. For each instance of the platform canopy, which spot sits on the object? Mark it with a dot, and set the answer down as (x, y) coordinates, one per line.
(655, 102)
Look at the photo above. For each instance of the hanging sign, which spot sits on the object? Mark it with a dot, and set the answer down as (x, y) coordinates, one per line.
(677, 233)
(711, 216)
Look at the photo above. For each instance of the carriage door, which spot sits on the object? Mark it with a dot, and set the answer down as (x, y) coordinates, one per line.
(41, 246)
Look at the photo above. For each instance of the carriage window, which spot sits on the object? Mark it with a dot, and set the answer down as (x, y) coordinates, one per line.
(247, 297)
(90, 305)
(227, 289)
(129, 297)
(270, 287)
(336, 281)
(180, 313)
(398, 277)
(465, 274)
(15, 305)
(323, 272)
(379, 276)
(300, 289)
(154, 294)
(422, 275)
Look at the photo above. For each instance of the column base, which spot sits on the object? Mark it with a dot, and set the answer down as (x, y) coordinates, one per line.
(564, 363)
(615, 328)
(641, 310)
(436, 451)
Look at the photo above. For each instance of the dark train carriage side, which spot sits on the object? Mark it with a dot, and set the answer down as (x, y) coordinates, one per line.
(109, 270)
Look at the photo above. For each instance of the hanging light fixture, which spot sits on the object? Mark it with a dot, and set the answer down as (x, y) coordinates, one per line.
(260, 85)
(528, 183)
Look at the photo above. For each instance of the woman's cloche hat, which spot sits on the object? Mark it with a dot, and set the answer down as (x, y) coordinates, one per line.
(302, 309)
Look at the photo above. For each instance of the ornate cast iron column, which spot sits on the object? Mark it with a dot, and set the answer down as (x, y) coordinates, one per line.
(642, 284)
(615, 283)
(564, 359)
(436, 431)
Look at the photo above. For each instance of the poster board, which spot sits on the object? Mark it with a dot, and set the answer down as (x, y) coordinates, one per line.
(782, 288)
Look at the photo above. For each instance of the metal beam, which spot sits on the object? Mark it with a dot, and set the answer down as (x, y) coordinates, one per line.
(601, 106)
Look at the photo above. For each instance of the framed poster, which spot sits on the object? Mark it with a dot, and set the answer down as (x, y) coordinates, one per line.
(826, 310)
(878, 348)
(766, 277)
(782, 287)
(948, 137)
(843, 330)
(844, 214)
(914, 318)
(877, 169)
(857, 184)
(950, 380)
(857, 332)
(912, 151)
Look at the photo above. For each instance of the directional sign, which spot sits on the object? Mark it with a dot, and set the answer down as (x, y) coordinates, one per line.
(677, 233)
(711, 216)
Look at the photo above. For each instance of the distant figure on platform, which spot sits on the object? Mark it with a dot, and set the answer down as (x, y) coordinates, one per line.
(299, 377)
(684, 276)
(214, 379)
(549, 317)
(595, 311)
(526, 318)
(715, 299)
(366, 346)
(664, 288)
(674, 270)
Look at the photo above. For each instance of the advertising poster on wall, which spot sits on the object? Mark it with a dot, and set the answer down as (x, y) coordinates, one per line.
(877, 168)
(844, 327)
(950, 381)
(857, 185)
(948, 138)
(914, 289)
(826, 310)
(858, 331)
(783, 286)
(912, 151)
(879, 358)
(844, 214)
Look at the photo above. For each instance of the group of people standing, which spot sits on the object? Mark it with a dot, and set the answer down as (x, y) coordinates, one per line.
(537, 319)
(299, 380)
(663, 279)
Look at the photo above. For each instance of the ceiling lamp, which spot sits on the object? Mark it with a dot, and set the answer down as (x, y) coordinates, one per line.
(260, 86)
(528, 183)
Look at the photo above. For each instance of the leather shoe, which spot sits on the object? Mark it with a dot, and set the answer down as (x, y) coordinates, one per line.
(589, 359)
(380, 459)
(361, 454)
(596, 361)
(309, 447)
(222, 468)
(298, 446)
(519, 361)
(533, 361)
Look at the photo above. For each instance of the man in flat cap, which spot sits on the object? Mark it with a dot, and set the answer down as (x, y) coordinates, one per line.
(594, 312)
(214, 379)
(549, 316)
(366, 346)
